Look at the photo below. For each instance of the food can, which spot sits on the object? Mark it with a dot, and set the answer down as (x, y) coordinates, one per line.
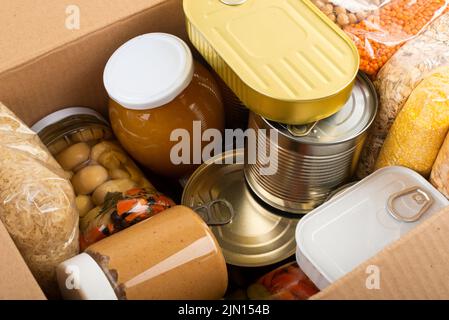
(236, 113)
(346, 231)
(256, 236)
(313, 160)
(285, 60)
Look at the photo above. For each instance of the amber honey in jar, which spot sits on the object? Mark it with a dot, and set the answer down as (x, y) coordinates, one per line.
(171, 256)
(103, 176)
(158, 93)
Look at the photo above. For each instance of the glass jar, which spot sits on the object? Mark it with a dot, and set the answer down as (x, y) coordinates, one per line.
(102, 174)
(162, 102)
(169, 256)
(288, 282)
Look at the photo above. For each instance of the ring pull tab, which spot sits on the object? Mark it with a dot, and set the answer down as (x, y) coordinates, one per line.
(301, 130)
(419, 196)
(216, 213)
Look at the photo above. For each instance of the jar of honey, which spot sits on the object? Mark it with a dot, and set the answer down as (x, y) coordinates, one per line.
(161, 98)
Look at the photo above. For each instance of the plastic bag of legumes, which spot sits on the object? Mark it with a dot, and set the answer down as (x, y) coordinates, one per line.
(419, 130)
(385, 26)
(396, 81)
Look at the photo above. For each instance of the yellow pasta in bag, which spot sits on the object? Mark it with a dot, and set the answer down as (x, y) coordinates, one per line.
(421, 127)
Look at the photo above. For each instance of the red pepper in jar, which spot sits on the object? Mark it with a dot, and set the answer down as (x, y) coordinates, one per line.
(285, 283)
(122, 210)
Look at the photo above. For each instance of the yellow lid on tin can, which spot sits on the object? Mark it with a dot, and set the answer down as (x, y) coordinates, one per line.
(284, 59)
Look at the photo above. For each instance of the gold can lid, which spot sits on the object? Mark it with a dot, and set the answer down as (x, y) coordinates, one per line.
(256, 236)
(277, 53)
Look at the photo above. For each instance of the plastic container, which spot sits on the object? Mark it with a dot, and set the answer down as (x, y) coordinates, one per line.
(170, 256)
(283, 59)
(357, 224)
(159, 96)
(82, 142)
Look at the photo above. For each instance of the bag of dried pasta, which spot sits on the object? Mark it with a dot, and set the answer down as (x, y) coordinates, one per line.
(421, 127)
(397, 79)
(36, 201)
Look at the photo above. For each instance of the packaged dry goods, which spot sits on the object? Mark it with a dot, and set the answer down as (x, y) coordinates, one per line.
(385, 30)
(346, 12)
(440, 171)
(106, 181)
(397, 79)
(37, 202)
(169, 256)
(162, 101)
(288, 282)
(421, 127)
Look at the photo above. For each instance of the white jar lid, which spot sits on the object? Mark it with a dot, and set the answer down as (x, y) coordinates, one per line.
(148, 71)
(81, 278)
(63, 114)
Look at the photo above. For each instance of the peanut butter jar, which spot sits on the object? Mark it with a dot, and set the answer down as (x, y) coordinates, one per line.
(170, 256)
(158, 93)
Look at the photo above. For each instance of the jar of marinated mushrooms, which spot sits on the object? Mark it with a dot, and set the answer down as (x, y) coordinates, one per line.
(102, 174)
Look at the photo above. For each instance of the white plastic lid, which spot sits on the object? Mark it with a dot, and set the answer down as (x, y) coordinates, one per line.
(62, 114)
(358, 223)
(148, 71)
(81, 278)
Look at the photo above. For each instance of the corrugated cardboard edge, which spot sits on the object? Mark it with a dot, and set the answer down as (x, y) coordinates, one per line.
(72, 74)
(415, 267)
(16, 280)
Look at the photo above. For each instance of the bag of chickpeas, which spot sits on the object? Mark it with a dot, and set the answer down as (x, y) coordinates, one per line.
(380, 27)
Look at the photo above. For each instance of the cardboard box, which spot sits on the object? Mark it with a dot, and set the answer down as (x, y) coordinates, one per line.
(45, 66)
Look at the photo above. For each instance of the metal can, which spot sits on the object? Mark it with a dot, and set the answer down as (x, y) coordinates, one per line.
(257, 236)
(313, 160)
(284, 59)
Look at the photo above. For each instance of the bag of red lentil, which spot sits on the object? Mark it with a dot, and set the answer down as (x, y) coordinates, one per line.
(379, 28)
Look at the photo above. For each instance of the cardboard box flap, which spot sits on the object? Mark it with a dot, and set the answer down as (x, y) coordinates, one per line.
(31, 29)
(414, 267)
(49, 67)
(16, 280)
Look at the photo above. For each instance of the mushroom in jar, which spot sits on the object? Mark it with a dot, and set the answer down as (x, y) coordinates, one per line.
(88, 179)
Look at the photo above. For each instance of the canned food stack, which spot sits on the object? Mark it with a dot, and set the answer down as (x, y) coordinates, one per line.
(302, 86)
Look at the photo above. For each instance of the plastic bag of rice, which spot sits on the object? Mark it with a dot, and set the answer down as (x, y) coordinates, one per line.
(36, 201)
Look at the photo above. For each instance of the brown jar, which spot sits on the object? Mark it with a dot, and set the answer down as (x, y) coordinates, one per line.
(155, 88)
(170, 256)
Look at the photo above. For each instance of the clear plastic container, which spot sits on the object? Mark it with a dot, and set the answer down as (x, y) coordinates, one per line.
(102, 173)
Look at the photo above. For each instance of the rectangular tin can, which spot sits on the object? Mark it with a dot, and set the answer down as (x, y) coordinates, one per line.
(284, 59)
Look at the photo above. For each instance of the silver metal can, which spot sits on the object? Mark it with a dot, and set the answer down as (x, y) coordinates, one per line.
(315, 159)
(256, 236)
